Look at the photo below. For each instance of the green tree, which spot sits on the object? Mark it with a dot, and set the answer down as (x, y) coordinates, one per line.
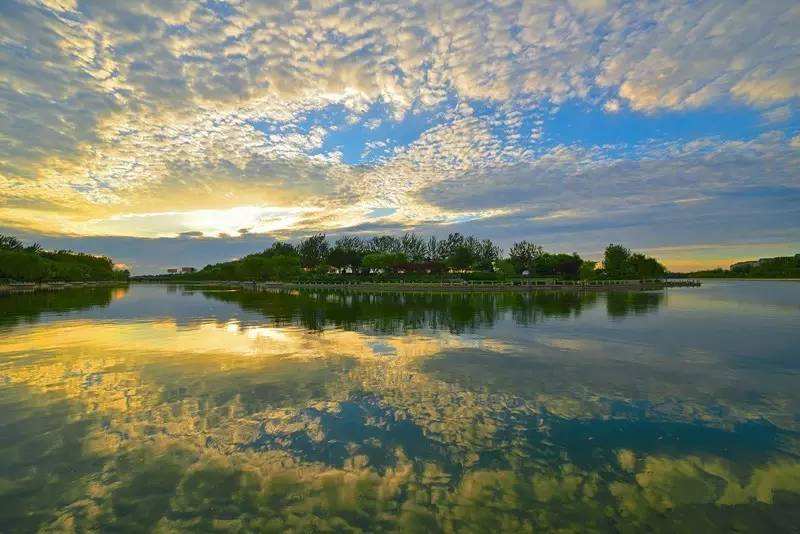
(373, 261)
(414, 247)
(253, 267)
(350, 242)
(313, 251)
(506, 267)
(283, 267)
(559, 265)
(588, 270)
(616, 262)
(433, 249)
(461, 257)
(385, 244)
(280, 248)
(9, 242)
(387, 261)
(341, 258)
(348, 251)
(524, 255)
(488, 255)
(32, 264)
(449, 245)
(645, 267)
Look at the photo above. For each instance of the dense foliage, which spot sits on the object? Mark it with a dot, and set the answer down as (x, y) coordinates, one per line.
(32, 264)
(620, 263)
(279, 262)
(415, 258)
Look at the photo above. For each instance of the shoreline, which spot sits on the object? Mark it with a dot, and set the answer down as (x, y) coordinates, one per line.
(448, 287)
(438, 287)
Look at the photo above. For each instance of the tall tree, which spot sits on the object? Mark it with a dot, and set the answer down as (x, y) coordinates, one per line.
(348, 251)
(524, 255)
(461, 258)
(587, 270)
(280, 248)
(488, 255)
(350, 242)
(433, 249)
(616, 261)
(413, 247)
(449, 245)
(313, 251)
(646, 267)
(9, 242)
(385, 244)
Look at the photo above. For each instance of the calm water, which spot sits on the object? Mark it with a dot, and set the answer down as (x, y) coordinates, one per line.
(208, 409)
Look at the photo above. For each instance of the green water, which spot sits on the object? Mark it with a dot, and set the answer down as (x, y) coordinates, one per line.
(166, 408)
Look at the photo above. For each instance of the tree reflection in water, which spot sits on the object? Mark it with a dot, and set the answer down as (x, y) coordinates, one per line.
(383, 412)
(388, 312)
(28, 307)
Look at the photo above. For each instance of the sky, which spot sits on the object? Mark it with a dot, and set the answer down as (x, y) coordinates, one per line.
(170, 133)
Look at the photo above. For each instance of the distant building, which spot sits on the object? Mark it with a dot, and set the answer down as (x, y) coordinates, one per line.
(172, 271)
(186, 270)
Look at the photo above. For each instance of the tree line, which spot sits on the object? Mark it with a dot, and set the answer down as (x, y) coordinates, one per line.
(30, 263)
(413, 255)
(777, 267)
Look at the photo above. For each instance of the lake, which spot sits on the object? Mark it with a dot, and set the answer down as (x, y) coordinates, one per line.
(200, 408)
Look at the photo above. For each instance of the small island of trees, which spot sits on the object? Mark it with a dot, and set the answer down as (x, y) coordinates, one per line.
(413, 257)
(410, 257)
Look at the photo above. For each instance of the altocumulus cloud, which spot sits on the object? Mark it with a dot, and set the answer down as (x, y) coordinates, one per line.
(158, 118)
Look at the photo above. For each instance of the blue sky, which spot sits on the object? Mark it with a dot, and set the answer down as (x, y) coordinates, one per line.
(166, 132)
(575, 122)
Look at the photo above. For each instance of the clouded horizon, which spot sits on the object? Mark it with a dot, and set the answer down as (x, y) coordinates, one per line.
(167, 133)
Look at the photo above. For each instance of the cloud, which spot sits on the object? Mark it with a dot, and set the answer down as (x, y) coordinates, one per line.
(170, 118)
(612, 106)
(191, 234)
(678, 56)
(576, 176)
(778, 115)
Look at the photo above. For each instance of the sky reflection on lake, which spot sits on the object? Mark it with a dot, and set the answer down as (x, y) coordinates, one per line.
(172, 408)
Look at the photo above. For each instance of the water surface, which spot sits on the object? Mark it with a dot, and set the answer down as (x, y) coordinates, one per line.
(204, 408)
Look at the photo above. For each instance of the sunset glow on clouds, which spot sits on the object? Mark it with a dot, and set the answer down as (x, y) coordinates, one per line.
(667, 125)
